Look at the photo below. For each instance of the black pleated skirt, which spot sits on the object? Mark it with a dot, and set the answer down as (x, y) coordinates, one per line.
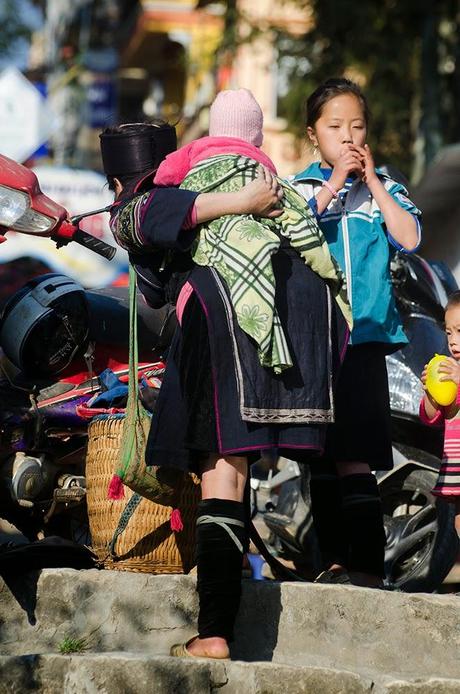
(362, 428)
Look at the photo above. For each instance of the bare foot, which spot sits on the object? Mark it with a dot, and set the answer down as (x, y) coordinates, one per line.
(214, 647)
(358, 578)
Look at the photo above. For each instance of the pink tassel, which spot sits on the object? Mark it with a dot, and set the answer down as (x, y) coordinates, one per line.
(176, 521)
(116, 488)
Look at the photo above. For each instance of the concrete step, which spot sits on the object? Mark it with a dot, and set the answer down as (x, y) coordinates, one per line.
(129, 673)
(375, 634)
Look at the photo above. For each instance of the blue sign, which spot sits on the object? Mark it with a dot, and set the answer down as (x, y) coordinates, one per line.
(101, 102)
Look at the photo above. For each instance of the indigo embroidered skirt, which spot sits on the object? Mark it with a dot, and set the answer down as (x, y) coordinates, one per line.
(216, 397)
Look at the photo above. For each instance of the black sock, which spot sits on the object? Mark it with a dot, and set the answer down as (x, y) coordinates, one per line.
(219, 563)
(326, 508)
(363, 523)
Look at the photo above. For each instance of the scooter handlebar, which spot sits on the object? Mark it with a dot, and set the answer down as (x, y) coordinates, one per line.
(67, 231)
(94, 244)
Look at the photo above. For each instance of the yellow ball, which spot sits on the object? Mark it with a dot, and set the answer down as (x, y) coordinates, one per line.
(444, 392)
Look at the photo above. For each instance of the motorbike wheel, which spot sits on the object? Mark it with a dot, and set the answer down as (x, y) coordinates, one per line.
(422, 542)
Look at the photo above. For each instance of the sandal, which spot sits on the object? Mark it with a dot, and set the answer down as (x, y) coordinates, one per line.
(179, 650)
(339, 577)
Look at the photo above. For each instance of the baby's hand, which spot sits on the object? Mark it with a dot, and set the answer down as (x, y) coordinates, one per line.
(451, 370)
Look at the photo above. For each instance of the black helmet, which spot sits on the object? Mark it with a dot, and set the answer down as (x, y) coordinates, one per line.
(45, 324)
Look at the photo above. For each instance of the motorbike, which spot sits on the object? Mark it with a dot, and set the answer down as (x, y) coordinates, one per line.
(422, 543)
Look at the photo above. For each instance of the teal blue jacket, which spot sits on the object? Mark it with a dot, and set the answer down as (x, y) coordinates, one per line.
(355, 231)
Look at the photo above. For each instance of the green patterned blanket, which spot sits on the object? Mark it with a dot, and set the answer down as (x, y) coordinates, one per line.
(240, 248)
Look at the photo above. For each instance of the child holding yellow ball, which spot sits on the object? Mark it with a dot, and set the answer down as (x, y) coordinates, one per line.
(433, 413)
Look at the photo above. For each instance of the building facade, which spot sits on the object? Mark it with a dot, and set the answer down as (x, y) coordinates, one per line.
(174, 64)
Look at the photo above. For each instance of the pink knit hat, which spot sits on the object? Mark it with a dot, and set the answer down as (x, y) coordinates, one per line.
(236, 113)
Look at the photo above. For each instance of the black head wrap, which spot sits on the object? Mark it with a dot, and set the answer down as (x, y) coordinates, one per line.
(136, 152)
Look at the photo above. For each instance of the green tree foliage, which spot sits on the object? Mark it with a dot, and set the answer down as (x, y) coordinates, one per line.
(406, 55)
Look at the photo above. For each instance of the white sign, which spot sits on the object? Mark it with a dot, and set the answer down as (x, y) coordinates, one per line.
(78, 191)
(26, 121)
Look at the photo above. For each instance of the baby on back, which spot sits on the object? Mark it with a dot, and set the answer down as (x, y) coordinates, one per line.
(235, 127)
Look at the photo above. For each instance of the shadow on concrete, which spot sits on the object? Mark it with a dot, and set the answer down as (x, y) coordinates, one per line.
(18, 674)
(24, 588)
(256, 629)
(20, 566)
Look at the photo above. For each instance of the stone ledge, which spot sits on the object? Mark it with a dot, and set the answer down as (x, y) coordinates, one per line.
(121, 673)
(352, 629)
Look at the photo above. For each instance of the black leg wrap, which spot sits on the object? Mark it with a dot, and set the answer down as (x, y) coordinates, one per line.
(363, 522)
(220, 547)
(326, 508)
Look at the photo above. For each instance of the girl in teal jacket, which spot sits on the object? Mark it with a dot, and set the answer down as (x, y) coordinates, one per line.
(365, 216)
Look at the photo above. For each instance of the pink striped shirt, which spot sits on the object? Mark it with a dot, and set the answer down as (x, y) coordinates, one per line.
(448, 482)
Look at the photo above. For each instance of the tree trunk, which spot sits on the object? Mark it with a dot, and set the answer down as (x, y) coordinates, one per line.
(430, 88)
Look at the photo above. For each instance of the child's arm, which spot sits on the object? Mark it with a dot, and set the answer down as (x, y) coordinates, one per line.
(400, 223)
(430, 411)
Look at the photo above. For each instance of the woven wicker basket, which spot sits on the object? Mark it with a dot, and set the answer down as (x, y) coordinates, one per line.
(148, 544)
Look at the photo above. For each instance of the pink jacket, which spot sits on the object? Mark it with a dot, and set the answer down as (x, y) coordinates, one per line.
(176, 166)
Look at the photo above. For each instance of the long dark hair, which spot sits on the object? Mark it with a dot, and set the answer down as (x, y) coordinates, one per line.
(336, 86)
